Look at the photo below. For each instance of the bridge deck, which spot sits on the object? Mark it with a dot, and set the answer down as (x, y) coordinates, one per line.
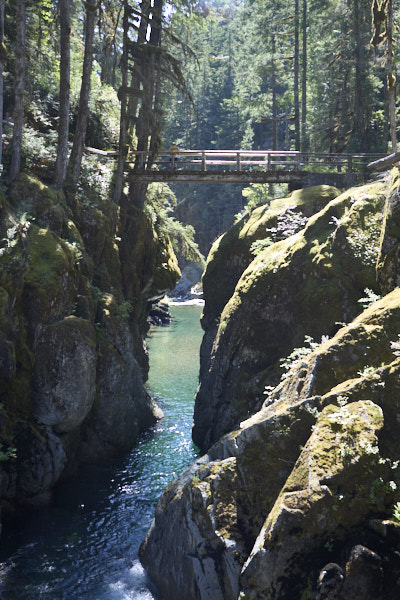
(250, 166)
(247, 166)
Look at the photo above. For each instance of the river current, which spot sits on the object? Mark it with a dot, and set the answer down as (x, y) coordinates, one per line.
(85, 546)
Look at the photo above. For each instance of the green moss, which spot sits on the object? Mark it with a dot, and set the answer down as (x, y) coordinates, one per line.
(314, 268)
(49, 258)
(234, 247)
(28, 194)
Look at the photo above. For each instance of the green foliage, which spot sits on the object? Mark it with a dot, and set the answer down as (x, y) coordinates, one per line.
(233, 93)
(395, 347)
(159, 205)
(259, 246)
(287, 224)
(75, 249)
(103, 126)
(396, 512)
(125, 309)
(298, 353)
(95, 181)
(97, 293)
(38, 149)
(365, 241)
(366, 371)
(369, 298)
(7, 453)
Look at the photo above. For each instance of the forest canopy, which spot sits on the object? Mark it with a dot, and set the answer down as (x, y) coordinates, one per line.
(309, 75)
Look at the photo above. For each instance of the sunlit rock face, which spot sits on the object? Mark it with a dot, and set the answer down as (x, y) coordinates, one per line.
(304, 285)
(296, 500)
(77, 280)
(299, 495)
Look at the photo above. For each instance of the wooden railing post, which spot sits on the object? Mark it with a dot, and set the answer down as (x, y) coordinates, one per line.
(141, 161)
(268, 162)
(173, 161)
(350, 164)
(238, 162)
(298, 162)
(203, 162)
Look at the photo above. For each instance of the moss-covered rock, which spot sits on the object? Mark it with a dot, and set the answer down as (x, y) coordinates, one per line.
(269, 223)
(319, 500)
(306, 284)
(72, 321)
(64, 373)
(314, 476)
(388, 264)
(232, 253)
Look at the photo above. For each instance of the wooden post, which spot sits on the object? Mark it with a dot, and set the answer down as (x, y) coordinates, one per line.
(173, 161)
(350, 164)
(141, 161)
(203, 162)
(298, 162)
(238, 162)
(268, 162)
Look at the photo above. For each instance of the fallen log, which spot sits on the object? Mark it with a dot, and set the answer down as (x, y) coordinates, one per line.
(384, 163)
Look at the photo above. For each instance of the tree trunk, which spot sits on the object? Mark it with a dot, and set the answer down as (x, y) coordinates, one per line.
(2, 61)
(65, 69)
(384, 163)
(123, 123)
(359, 108)
(136, 82)
(106, 65)
(304, 141)
(19, 89)
(391, 80)
(296, 95)
(145, 125)
(274, 107)
(75, 161)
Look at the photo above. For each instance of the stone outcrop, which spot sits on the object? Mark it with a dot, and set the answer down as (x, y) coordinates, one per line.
(388, 265)
(232, 253)
(295, 501)
(191, 275)
(77, 280)
(285, 504)
(304, 285)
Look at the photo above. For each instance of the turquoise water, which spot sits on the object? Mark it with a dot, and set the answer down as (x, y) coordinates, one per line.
(85, 547)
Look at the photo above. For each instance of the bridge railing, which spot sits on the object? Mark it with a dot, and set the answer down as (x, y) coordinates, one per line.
(205, 160)
(242, 160)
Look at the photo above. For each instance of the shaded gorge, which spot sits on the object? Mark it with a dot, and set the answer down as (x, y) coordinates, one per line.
(85, 546)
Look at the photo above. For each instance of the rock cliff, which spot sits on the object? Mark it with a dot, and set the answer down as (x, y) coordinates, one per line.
(303, 285)
(76, 282)
(295, 501)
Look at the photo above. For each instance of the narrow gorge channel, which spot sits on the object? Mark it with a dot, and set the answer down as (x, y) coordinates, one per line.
(86, 545)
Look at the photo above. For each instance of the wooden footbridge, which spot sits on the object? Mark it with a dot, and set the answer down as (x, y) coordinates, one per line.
(298, 169)
(251, 166)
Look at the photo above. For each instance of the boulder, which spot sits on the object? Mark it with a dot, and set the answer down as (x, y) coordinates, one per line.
(64, 373)
(232, 253)
(305, 285)
(318, 501)
(191, 274)
(302, 484)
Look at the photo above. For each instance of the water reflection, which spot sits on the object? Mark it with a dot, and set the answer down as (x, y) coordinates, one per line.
(86, 546)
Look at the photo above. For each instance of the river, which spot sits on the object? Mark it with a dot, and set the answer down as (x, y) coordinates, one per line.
(85, 546)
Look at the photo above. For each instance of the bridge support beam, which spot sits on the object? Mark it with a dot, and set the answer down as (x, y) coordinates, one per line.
(296, 179)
